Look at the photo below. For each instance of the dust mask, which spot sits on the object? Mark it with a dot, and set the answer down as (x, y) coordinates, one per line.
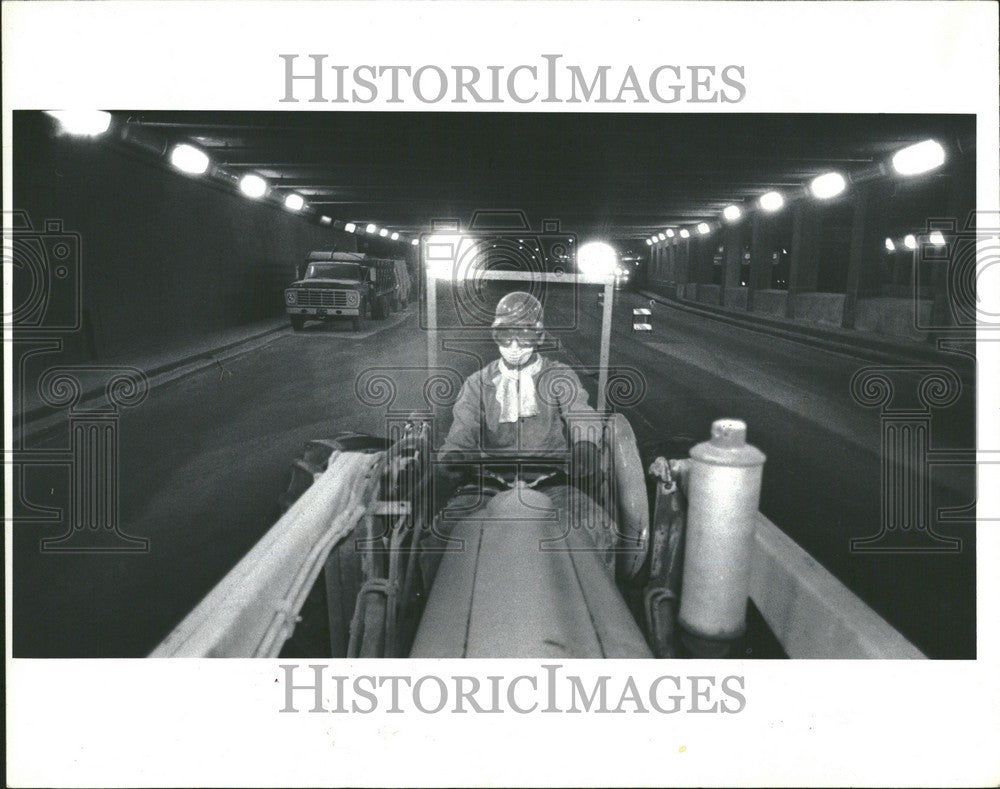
(514, 355)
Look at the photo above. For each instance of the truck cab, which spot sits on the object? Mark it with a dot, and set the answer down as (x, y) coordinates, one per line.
(341, 284)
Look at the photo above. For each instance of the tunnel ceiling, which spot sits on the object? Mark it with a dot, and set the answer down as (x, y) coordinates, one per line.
(612, 175)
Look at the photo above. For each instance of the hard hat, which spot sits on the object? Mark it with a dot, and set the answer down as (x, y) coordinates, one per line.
(518, 309)
(518, 317)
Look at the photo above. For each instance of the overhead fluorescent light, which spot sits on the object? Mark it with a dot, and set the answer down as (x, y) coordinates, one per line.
(827, 185)
(918, 158)
(85, 123)
(189, 159)
(772, 201)
(253, 186)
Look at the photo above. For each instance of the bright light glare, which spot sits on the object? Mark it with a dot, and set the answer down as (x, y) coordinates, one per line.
(661, 236)
(918, 158)
(394, 236)
(350, 227)
(253, 186)
(383, 232)
(325, 220)
(670, 233)
(685, 233)
(772, 201)
(910, 242)
(294, 202)
(732, 213)
(889, 245)
(704, 229)
(649, 243)
(828, 185)
(371, 228)
(936, 238)
(415, 242)
(88, 123)
(596, 259)
(189, 159)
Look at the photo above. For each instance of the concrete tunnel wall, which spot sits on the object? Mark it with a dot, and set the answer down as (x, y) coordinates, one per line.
(166, 259)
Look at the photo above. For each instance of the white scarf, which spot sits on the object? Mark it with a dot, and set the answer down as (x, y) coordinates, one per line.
(516, 391)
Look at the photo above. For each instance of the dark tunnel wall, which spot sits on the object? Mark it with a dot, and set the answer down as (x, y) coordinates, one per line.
(165, 259)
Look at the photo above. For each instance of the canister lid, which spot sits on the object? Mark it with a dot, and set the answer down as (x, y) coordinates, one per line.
(728, 446)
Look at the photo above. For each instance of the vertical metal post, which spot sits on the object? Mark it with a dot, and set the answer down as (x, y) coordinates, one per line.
(432, 338)
(602, 380)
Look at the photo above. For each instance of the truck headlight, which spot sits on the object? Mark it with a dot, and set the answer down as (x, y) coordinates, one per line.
(290, 297)
(353, 299)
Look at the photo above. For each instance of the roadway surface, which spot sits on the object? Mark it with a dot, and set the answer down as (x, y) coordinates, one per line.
(204, 459)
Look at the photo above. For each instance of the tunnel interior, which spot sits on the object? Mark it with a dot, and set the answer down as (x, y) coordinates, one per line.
(123, 265)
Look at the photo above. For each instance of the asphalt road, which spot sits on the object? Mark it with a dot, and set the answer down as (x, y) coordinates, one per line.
(204, 459)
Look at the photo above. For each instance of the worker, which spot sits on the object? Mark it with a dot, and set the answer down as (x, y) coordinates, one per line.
(520, 405)
(523, 403)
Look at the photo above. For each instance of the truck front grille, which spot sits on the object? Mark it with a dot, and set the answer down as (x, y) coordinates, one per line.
(322, 298)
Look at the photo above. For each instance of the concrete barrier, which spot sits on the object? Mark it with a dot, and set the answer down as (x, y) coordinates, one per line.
(770, 302)
(708, 294)
(736, 298)
(893, 317)
(822, 308)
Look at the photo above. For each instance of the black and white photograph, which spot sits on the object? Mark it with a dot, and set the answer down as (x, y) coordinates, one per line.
(363, 412)
(486, 400)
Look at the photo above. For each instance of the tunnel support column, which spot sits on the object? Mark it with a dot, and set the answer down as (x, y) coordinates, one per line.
(731, 265)
(803, 265)
(706, 259)
(759, 260)
(856, 259)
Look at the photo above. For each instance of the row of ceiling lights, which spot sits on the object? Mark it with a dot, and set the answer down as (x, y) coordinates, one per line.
(935, 238)
(192, 160)
(915, 159)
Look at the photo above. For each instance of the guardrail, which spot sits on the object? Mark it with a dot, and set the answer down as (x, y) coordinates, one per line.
(252, 611)
(813, 614)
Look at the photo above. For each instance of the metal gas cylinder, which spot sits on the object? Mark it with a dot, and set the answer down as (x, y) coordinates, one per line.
(723, 494)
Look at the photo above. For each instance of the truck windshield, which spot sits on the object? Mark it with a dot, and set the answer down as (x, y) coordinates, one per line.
(333, 271)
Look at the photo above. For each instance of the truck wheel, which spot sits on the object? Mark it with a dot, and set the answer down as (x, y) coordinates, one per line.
(298, 323)
(394, 304)
(379, 309)
(356, 323)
